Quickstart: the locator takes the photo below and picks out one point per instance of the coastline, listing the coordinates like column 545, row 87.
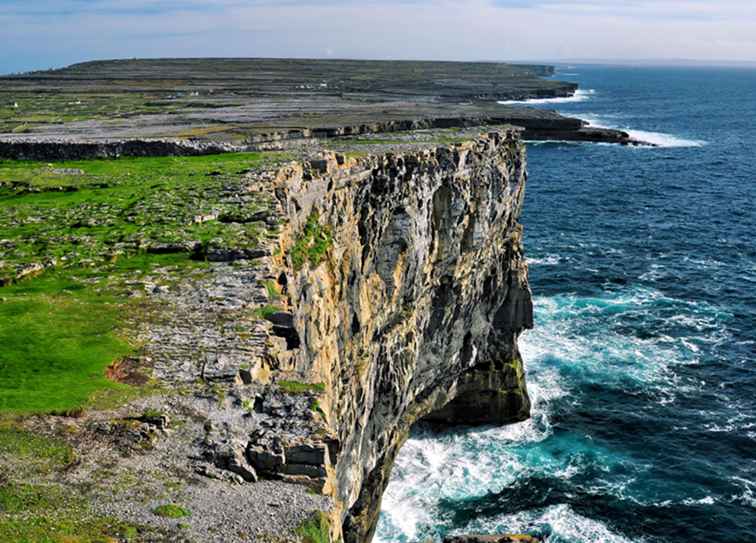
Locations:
column 327, row 413
column 252, row 104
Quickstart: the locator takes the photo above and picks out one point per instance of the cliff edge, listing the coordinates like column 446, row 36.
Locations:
column 416, row 310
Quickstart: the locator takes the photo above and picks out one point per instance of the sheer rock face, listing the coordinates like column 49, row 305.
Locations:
column 415, row 311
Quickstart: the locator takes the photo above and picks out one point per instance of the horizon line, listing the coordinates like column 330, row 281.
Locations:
column 671, row 62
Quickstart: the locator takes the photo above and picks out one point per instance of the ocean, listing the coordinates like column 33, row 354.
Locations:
column 641, row 366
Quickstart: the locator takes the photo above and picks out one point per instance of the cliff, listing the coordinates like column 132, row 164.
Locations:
column 416, row 310
column 333, row 302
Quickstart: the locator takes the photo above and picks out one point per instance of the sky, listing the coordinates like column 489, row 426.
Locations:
column 38, row 34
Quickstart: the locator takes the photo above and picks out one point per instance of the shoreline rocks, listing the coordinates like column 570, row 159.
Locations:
column 553, row 128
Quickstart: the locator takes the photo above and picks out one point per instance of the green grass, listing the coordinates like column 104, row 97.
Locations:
column 313, row 243
column 356, row 154
column 61, row 330
column 152, row 413
column 271, row 287
column 47, row 108
column 315, row 407
column 171, row 510
column 267, row 311
column 95, row 225
column 21, row 129
column 296, row 387
column 315, row 529
column 450, row 140
column 78, row 211
column 54, row 514
column 47, row 513
column 55, row 349
column 36, row 453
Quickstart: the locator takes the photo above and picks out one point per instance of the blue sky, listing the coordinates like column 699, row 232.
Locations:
column 44, row 33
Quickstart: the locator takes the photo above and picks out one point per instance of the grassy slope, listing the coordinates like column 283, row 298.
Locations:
column 60, row 331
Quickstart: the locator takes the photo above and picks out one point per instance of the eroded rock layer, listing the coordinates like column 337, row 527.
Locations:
column 416, row 310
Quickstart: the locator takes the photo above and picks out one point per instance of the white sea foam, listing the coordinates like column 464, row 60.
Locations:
column 595, row 121
column 548, row 260
column 432, row 467
column 571, row 342
column 708, row 500
column 739, row 423
column 579, row 96
column 657, row 139
column 748, row 497
column 560, row 142
column 660, row 139
column 572, row 331
column 564, row 525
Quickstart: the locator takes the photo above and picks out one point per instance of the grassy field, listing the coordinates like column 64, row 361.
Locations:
column 93, row 227
column 20, row 112
column 71, row 212
column 60, row 331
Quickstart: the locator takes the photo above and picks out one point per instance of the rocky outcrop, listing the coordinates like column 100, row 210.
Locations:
column 381, row 290
column 60, row 149
column 407, row 290
column 537, row 125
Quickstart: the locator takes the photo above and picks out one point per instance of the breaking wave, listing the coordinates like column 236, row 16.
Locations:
column 660, row 139
column 571, row 345
column 656, row 139
column 579, row 96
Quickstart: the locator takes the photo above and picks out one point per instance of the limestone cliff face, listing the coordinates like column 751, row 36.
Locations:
column 416, row 308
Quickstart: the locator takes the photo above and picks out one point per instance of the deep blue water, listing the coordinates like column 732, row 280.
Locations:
column 642, row 363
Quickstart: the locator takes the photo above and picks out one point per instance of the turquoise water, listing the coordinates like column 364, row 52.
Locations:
column 641, row 364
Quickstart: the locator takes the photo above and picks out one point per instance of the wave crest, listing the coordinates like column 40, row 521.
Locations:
column 579, row 96
column 657, row 139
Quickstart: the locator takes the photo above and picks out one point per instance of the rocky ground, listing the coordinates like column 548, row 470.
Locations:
column 265, row 102
column 199, row 315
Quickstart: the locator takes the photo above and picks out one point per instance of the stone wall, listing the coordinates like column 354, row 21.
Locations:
column 56, row 149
